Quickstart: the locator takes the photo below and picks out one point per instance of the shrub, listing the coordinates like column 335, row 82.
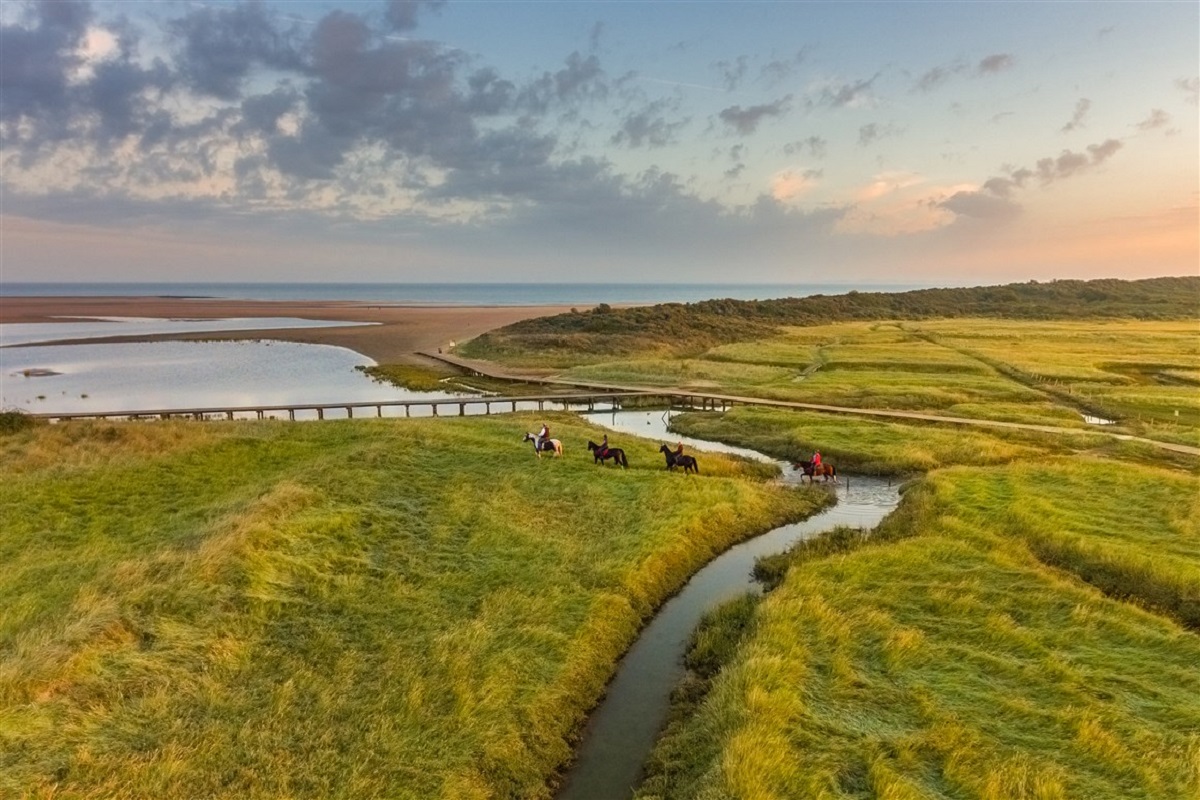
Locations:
column 15, row 421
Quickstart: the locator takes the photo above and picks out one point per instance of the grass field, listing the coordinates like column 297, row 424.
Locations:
column 358, row 608
column 975, row 648
column 1138, row 372
column 423, row 609
column 1014, row 371
column 872, row 446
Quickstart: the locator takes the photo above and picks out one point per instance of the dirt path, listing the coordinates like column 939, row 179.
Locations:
column 491, row 370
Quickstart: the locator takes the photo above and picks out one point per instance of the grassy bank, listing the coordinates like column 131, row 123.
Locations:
column 960, row 654
column 873, row 447
column 407, row 608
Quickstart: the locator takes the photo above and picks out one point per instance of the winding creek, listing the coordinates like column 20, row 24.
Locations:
column 622, row 730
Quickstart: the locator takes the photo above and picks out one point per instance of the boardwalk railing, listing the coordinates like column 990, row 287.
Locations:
column 591, row 401
column 457, row 406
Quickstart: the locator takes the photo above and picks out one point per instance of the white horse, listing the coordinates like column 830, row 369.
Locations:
column 548, row 445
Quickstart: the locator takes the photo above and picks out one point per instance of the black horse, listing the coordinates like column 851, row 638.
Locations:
column 676, row 460
column 825, row 470
column 600, row 454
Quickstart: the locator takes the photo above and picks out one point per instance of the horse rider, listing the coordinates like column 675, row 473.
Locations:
column 678, row 450
column 604, row 447
column 543, row 436
column 816, row 460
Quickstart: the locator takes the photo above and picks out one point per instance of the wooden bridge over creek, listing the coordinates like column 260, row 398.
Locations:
column 571, row 396
column 439, row 406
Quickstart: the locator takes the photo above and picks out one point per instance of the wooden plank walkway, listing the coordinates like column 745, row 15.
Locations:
column 579, row 394
column 711, row 400
column 568, row 400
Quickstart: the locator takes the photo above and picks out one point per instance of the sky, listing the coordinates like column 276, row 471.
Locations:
column 916, row 143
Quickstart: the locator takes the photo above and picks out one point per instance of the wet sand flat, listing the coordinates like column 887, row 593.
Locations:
column 401, row 330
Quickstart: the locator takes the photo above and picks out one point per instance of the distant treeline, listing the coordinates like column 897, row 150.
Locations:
column 679, row 327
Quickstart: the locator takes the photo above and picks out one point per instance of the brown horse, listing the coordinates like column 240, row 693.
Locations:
column 677, row 460
column 826, row 471
column 600, row 454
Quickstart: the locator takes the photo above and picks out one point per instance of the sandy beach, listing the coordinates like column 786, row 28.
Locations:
column 401, row 331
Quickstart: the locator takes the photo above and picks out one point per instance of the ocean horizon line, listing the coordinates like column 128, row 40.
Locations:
column 4, row 283
column 443, row 293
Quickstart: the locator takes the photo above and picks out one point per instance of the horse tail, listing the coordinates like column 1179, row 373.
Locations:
column 623, row 459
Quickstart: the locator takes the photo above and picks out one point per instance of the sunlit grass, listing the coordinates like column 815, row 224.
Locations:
column 897, row 388
column 1036, row 372
column 946, row 658
column 1074, row 350
column 1132, row 531
column 412, row 377
column 687, row 373
column 867, row 445
column 403, row 608
column 1135, row 370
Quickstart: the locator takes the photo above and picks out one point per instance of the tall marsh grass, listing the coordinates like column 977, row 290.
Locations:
column 951, row 661
column 865, row 445
column 1133, row 531
column 400, row 608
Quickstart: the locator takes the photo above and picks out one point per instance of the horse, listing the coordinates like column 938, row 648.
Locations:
column 548, row 446
column 601, row 454
column 674, row 460
column 827, row 471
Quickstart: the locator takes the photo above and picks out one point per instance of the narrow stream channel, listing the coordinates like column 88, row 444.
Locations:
column 622, row 730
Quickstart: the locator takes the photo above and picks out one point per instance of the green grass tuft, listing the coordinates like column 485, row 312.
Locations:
column 406, row 608
column 945, row 657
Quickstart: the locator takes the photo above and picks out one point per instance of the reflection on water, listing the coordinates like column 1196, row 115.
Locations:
column 168, row 375
column 653, row 425
column 13, row 334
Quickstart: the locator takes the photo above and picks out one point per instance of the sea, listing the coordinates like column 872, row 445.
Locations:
column 452, row 294
column 40, row 373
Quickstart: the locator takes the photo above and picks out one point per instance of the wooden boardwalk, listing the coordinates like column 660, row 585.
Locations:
column 456, row 406
column 580, row 396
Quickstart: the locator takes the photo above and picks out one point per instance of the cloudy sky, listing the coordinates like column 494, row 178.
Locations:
column 933, row 143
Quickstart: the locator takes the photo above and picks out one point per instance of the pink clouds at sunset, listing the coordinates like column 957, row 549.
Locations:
column 649, row 141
